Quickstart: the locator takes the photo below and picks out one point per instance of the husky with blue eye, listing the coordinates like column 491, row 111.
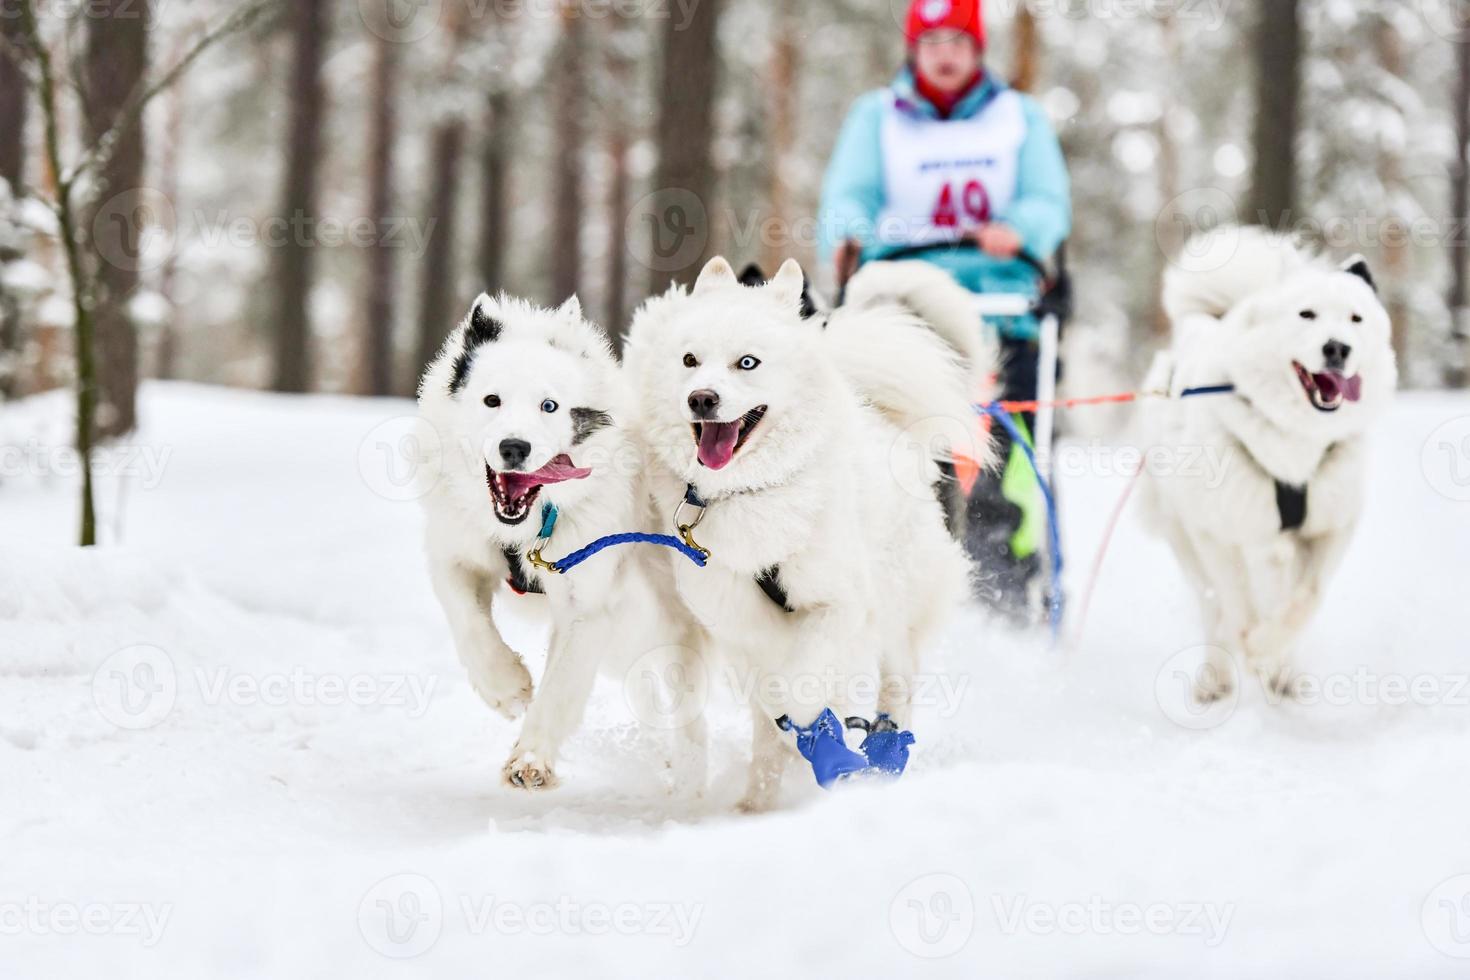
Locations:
column 1305, row 345
column 535, row 462
column 803, row 450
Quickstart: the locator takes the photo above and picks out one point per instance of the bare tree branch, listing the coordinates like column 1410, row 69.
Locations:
column 101, row 151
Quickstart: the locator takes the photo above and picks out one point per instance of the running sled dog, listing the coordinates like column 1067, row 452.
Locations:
column 530, row 412
column 805, row 450
column 1306, row 345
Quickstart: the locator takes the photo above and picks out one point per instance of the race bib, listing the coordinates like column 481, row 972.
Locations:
column 944, row 177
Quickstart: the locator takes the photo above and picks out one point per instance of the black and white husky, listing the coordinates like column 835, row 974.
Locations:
column 1306, row 345
column 530, row 411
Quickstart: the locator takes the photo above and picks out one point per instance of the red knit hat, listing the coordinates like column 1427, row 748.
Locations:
column 955, row 15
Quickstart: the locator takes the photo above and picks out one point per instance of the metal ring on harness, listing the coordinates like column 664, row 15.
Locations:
column 686, row 531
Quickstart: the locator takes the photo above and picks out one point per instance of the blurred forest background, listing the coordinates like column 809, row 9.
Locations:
column 312, row 205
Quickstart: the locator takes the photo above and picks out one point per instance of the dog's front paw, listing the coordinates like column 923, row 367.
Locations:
column 1213, row 683
column 526, row 771
column 1281, row 684
column 754, row 805
column 507, row 688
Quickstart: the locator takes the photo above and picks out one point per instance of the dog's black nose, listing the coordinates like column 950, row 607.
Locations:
column 1336, row 354
column 704, row 403
column 514, row 452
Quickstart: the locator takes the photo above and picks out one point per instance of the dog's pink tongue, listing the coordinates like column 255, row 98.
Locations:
column 559, row 470
column 717, row 443
column 1352, row 388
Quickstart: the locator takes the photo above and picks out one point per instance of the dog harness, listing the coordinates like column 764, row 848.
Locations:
column 1291, row 504
column 522, row 584
column 768, row 581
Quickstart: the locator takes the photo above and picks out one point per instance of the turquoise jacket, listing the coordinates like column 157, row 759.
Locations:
column 853, row 191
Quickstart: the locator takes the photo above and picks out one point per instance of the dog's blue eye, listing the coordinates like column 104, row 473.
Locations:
column 748, row 363
column 492, row 401
column 549, row 406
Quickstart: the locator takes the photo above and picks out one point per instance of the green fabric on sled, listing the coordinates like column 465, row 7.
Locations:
column 1020, row 486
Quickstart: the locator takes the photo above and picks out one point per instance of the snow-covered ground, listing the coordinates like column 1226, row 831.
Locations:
column 235, row 742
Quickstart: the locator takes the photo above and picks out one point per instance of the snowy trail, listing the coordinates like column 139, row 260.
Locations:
column 311, row 787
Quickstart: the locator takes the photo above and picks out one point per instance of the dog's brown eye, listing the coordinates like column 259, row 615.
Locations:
column 492, row 401
column 691, row 361
column 1357, row 319
column 1309, row 315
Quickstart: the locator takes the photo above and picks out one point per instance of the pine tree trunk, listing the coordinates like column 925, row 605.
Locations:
column 13, row 111
column 785, row 60
column 1171, row 234
column 686, row 130
column 310, row 20
column 1392, row 281
column 619, row 139
column 494, row 176
column 379, row 306
column 438, row 303
column 14, row 106
column 165, row 365
column 1278, row 108
column 1459, row 249
column 567, row 178
column 117, row 63
column 1027, row 71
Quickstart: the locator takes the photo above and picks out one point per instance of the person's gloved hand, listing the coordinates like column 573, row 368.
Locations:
column 998, row 240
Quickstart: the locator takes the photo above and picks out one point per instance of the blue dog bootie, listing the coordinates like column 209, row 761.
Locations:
column 886, row 748
column 822, row 745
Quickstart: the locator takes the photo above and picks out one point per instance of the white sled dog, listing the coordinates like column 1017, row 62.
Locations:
column 1307, row 346
column 805, row 450
column 530, row 410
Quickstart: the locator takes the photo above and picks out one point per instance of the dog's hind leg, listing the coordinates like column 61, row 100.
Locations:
column 667, row 690
column 1294, row 584
column 1225, row 605
column 911, row 622
column 769, row 755
column 495, row 670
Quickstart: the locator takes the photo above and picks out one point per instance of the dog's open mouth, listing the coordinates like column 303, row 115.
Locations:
column 1329, row 389
column 718, row 442
column 514, row 493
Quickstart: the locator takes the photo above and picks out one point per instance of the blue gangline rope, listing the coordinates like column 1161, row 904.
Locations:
column 1054, row 601
column 1208, row 390
column 613, row 540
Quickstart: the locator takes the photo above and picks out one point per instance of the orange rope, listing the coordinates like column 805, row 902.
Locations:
column 1032, row 406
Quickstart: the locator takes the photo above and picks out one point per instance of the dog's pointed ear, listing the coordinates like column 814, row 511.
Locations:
column 1358, row 266
column 572, row 308
column 483, row 325
column 717, row 272
column 789, row 283
column 753, row 275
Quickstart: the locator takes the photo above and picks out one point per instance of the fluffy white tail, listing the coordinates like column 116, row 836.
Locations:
column 910, row 374
column 1218, row 269
column 933, row 295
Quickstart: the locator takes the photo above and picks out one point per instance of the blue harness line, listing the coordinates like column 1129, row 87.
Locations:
column 549, row 515
column 1055, row 601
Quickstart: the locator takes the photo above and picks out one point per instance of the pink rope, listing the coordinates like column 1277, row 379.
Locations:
column 1102, row 553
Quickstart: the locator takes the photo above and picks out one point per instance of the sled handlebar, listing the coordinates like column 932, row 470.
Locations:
column 919, row 251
